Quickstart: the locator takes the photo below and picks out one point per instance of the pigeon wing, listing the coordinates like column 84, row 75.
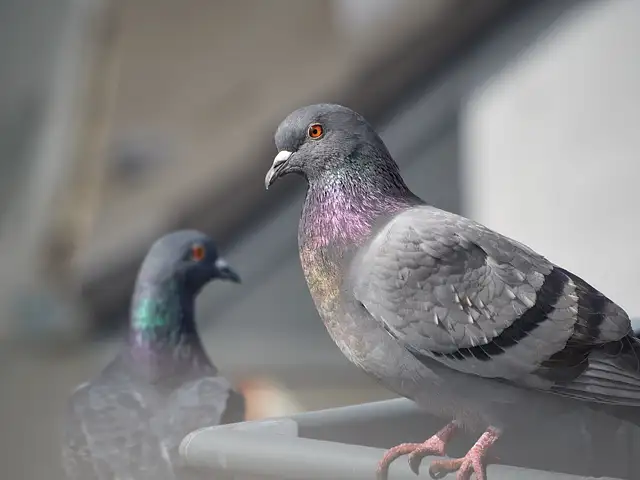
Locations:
column 113, row 436
column 454, row 291
column 76, row 455
column 196, row 404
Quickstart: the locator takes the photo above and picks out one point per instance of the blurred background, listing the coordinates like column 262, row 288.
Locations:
column 122, row 120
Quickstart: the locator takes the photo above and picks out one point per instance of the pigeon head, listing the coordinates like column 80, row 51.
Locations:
column 323, row 139
column 174, row 271
column 187, row 258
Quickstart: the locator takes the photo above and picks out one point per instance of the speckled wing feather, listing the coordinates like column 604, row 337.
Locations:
column 456, row 292
column 196, row 404
column 120, row 429
column 77, row 459
column 108, row 436
column 201, row 403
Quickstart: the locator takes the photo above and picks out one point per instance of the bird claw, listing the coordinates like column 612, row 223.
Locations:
column 416, row 451
column 473, row 462
column 464, row 466
column 433, row 446
column 439, row 468
column 393, row 453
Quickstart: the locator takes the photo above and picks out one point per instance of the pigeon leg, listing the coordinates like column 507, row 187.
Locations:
column 473, row 462
column 433, row 446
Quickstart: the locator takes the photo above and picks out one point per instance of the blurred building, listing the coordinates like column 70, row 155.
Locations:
column 122, row 120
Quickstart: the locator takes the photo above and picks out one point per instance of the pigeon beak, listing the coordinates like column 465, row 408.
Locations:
column 225, row 272
column 276, row 168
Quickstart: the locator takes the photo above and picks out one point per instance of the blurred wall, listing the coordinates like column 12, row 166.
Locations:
column 28, row 52
column 24, row 84
column 551, row 146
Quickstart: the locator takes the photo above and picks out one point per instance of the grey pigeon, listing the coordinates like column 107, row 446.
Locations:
column 128, row 422
column 439, row 308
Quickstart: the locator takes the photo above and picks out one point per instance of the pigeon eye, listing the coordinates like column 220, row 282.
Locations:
column 197, row 252
column 315, row 131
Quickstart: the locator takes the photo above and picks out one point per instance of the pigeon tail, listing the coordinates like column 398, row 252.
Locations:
column 612, row 377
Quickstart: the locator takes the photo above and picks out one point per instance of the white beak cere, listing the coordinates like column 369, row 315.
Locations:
column 281, row 158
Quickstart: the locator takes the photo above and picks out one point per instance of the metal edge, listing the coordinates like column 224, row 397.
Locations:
column 263, row 455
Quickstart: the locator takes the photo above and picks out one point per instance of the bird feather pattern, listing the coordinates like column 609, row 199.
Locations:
column 428, row 276
column 125, row 429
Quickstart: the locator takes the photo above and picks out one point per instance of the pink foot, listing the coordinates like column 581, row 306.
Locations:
column 416, row 451
column 473, row 462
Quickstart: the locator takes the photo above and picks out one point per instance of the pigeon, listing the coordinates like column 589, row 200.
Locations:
column 471, row 325
column 128, row 422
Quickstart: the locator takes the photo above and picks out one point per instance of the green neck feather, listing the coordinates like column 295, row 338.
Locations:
column 161, row 312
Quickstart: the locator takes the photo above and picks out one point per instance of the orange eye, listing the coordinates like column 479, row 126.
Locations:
column 197, row 252
column 315, row 131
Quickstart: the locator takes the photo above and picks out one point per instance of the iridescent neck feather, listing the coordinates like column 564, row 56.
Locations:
column 163, row 340
column 161, row 314
column 342, row 206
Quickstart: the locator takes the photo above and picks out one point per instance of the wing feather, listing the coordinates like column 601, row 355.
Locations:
column 111, row 435
column 453, row 291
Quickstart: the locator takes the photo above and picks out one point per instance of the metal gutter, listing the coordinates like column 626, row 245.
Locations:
column 300, row 446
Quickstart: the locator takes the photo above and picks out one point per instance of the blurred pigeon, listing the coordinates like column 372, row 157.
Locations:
column 468, row 323
column 128, row 423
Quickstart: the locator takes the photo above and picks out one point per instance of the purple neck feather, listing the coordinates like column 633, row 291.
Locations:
column 341, row 207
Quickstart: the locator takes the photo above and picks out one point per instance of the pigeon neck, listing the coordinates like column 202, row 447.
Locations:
column 163, row 340
column 342, row 207
column 161, row 315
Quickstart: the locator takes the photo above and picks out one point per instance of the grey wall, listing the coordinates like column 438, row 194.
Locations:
column 551, row 146
column 28, row 44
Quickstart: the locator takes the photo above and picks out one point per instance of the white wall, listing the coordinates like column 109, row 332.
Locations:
column 552, row 147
